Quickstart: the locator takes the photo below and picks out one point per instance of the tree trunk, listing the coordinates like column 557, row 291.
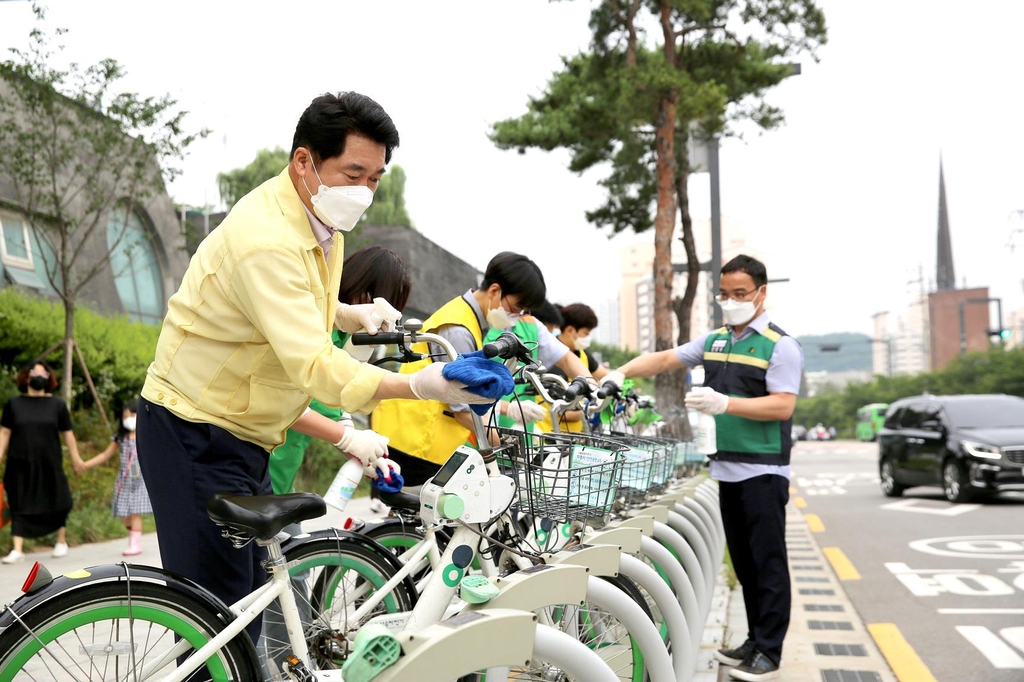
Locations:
column 666, row 385
column 69, row 351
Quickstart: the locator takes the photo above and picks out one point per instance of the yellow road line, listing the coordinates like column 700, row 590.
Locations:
column 792, row 490
column 843, row 567
column 903, row 660
column 799, row 503
column 814, row 523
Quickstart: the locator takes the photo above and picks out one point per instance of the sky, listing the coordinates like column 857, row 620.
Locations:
column 842, row 201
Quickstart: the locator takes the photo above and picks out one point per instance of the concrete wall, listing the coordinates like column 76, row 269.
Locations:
column 157, row 212
column 436, row 275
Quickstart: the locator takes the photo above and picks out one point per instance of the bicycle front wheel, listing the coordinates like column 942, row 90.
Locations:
column 98, row 634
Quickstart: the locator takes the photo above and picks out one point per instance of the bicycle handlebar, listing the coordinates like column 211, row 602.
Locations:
column 378, row 339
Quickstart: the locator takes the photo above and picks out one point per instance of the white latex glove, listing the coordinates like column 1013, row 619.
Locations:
column 386, row 466
column 616, row 377
column 356, row 318
column 707, row 400
column 366, row 446
column 428, row 384
column 522, row 411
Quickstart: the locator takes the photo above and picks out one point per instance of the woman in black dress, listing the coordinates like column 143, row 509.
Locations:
column 30, row 431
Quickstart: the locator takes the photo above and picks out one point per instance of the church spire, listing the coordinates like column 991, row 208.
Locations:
column 945, row 278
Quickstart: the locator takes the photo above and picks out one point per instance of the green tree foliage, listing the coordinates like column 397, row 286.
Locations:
column 116, row 350
column 235, row 184
column 388, row 207
column 81, row 156
column 997, row 371
column 654, row 68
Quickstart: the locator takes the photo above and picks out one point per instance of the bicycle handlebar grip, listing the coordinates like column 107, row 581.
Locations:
column 607, row 389
column 576, row 387
column 505, row 346
column 380, row 338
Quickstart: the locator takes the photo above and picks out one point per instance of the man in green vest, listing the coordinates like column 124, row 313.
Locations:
column 752, row 375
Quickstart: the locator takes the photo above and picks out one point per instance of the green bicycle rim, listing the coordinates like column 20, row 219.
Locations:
column 144, row 613
column 364, row 571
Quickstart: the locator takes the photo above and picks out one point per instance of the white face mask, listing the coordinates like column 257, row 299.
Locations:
column 339, row 208
column 738, row 312
column 582, row 342
column 498, row 318
column 129, row 423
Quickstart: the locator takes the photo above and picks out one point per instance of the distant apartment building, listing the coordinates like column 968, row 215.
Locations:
column 607, row 331
column 901, row 345
column 636, row 298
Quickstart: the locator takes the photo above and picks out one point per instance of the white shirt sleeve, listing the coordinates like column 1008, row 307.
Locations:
column 549, row 349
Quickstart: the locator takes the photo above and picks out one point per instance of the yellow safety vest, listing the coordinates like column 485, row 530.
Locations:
column 426, row 429
column 545, row 426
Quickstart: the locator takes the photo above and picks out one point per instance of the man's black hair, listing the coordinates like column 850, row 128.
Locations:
column 548, row 314
column 749, row 265
column 327, row 121
column 579, row 316
column 517, row 276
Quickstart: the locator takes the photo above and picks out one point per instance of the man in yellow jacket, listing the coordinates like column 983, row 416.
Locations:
column 247, row 342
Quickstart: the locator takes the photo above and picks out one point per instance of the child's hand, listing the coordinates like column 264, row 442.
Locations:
column 79, row 466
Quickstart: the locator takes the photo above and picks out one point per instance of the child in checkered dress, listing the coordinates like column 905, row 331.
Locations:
column 131, row 500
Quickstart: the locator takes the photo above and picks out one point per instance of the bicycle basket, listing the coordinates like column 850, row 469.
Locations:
column 645, row 469
column 562, row 476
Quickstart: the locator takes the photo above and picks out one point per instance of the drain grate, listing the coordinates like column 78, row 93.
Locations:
column 850, row 676
column 806, row 568
column 829, row 625
column 815, row 591
column 840, row 650
column 824, row 607
column 810, row 579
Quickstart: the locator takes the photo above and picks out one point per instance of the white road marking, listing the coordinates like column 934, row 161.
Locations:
column 1004, row 547
column 914, row 506
column 998, row 652
column 981, row 612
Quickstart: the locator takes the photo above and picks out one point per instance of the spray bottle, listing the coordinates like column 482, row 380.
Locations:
column 707, row 433
column 344, row 484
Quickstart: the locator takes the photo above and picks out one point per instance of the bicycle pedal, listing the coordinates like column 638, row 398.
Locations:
column 296, row 670
column 476, row 589
column 374, row 649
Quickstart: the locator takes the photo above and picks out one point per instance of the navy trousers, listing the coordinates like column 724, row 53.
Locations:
column 754, row 515
column 184, row 464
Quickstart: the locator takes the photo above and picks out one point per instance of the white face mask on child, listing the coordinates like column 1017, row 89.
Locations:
column 129, row 423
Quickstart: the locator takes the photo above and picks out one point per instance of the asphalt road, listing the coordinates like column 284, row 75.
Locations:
column 949, row 577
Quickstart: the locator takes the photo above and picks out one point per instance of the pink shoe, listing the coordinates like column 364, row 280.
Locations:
column 134, row 543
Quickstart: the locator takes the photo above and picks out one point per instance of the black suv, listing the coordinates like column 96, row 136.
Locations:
column 966, row 443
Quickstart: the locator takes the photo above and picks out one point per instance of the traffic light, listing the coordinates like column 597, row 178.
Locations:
column 999, row 335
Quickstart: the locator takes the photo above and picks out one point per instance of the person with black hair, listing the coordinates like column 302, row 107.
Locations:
column 246, row 343
column 549, row 316
column 31, row 428
column 131, row 500
column 578, row 321
column 422, row 436
column 752, row 375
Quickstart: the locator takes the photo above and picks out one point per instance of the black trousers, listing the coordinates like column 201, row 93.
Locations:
column 184, row 463
column 754, row 515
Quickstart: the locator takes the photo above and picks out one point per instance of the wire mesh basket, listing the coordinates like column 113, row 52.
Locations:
column 646, row 468
column 562, row 476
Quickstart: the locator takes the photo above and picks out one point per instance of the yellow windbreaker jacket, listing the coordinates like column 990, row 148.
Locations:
column 247, row 338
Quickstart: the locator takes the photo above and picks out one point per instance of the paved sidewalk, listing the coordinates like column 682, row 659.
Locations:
column 827, row 640
column 12, row 576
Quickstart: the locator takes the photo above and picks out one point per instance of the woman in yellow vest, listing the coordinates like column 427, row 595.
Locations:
column 578, row 321
column 423, row 434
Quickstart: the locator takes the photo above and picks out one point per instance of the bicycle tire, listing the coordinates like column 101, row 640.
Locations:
column 90, row 622
column 350, row 567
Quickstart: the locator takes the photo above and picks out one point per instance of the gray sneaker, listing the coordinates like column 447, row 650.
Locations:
column 735, row 656
column 755, row 667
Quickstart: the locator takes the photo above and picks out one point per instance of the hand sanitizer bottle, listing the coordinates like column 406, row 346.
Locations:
column 707, row 434
column 344, row 484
